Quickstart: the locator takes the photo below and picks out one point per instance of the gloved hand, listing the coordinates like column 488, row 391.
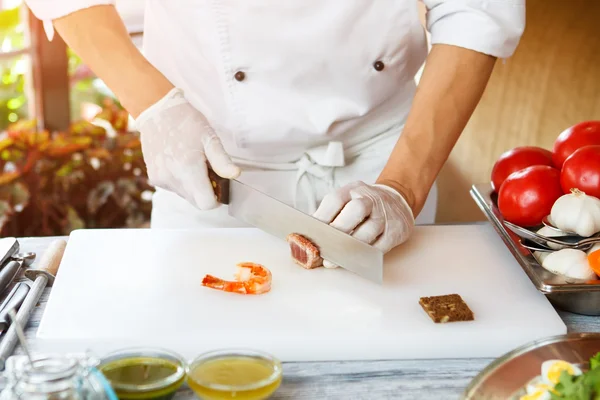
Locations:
column 375, row 214
column 177, row 140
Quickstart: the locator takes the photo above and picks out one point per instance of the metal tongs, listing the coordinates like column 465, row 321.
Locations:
column 564, row 240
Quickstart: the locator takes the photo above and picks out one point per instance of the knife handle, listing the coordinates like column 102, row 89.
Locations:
column 220, row 186
column 12, row 302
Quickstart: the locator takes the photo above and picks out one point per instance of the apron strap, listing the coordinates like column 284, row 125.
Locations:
column 317, row 163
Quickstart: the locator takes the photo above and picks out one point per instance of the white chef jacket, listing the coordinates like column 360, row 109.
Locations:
column 280, row 78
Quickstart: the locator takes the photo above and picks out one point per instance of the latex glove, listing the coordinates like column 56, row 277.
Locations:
column 375, row 214
column 177, row 140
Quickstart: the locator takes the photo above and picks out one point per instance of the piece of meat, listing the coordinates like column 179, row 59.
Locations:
column 304, row 252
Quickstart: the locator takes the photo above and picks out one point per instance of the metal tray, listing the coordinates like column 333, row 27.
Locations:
column 580, row 297
column 508, row 375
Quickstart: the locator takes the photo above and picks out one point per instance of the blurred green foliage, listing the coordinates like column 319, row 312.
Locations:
column 53, row 182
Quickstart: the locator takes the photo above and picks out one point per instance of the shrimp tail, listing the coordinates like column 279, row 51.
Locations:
column 213, row 282
column 220, row 284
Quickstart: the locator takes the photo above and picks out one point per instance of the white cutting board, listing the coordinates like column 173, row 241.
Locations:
column 118, row 288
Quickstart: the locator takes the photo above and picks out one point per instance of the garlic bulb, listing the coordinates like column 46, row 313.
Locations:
column 570, row 263
column 549, row 232
column 577, row 212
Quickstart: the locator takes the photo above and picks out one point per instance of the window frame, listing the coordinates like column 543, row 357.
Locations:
column 50, row 78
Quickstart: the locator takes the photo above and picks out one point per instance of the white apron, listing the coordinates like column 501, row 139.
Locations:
column 306, row 95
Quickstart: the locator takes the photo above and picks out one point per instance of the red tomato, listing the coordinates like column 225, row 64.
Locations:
column 579, row 135
column 515, row 160
column 528, row 195
column 581, row 170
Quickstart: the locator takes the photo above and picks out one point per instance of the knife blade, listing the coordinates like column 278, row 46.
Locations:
column 278, row 219
column 12, row 302
column 9, row 246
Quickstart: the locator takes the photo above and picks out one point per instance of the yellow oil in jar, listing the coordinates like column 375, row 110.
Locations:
column 235, row 377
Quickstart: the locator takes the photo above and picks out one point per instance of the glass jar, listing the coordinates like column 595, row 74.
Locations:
column 55, row 378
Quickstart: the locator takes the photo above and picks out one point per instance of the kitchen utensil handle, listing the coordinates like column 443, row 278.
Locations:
column 52, row 256
column 17, row 297
column 591, row 240
column 220, row 186
column 8, row 273
column 8, row 297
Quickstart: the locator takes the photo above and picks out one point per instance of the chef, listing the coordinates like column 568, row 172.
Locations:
column 312, row 101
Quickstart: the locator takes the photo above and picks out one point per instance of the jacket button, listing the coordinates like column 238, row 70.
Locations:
column 378, row 66
column 239, row 76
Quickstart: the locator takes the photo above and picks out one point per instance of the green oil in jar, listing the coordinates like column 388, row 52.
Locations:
column 144, row 378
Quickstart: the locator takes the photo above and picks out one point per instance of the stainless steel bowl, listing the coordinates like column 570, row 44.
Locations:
column 509, row 374
column 577, row 297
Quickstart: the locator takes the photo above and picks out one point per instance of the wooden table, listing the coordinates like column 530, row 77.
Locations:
column 372, row 380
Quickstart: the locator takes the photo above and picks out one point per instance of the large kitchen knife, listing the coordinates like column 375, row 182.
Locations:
column 278, row 219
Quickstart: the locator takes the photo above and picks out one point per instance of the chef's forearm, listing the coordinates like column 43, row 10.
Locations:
column 98, row 35
column 450, row 88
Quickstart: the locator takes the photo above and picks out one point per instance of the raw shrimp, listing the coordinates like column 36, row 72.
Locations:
column 250, row 278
